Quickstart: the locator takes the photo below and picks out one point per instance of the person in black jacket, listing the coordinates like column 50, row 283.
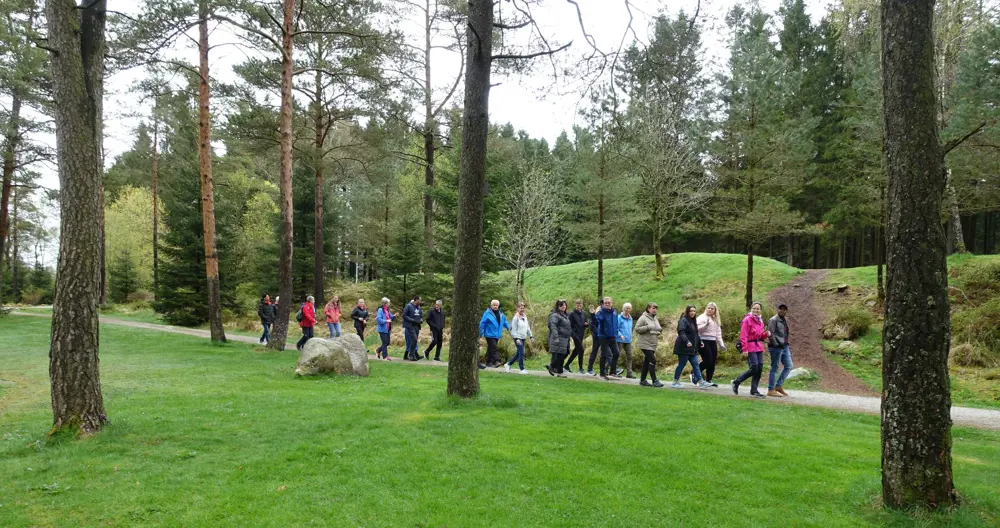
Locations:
column 266, row 312
column 579, row 323
column 413, row 318
column 596, row 342
column 686, row 347
column 435, row 320
column 360, row 317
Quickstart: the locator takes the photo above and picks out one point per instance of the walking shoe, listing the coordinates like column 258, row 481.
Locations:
column 629, row 376
column 757, row 395
column 548, row 367
column 691, row 376
column 581, row 371
column 704, row 385
column 427, row 355
column 657, row 384
column 560, row 375
column 605, row 377
column 735, row 386
column 524, row 371
column 645, row 383
column 781, row 390
column 437, row 359
column 715, row 384
column 619, row 373
column 482, row 366
column 676, row 385
column 773, row 393
column 507, row 367
column 590, row 373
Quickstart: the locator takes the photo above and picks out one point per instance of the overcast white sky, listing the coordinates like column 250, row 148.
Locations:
column 523, row 101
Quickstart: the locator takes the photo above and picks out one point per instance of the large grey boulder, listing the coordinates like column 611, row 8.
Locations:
column 345, row 355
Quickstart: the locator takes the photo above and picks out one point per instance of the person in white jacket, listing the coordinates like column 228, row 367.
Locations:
column 520, row 330
column 710, row 333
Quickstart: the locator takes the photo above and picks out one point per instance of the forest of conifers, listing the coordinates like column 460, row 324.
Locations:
column 777, row 151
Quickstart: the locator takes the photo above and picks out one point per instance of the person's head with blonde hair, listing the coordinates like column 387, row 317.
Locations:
column 712, row 312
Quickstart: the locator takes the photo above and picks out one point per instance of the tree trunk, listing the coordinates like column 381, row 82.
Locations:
column 815, row 252
column 600, row 229
column 15, row 282
column 77, row 35
column 790, row 250
column 956, row 241
column 463, row 372
column 880, row 248
column 749, row 288
column 916, row 394
column 11, row 140
column 318, row 236
column 429, row 128
column 103, row 300
column 207, row 184
column 156, row 202
column 279, row 334
column 657, row 246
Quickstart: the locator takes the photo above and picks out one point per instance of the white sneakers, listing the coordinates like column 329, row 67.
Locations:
column 524, row 371
column 506, row 367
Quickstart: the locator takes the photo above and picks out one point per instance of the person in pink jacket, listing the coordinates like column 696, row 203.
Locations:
column 753, row 336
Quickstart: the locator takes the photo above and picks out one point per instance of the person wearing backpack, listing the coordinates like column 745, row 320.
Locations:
column 266, row 314
column 413, row 318
column 687, row 347
column 307, row 320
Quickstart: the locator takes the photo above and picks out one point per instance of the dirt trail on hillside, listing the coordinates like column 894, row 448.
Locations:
column 805, row 322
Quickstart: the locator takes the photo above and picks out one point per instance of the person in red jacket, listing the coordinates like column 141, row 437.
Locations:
column 753, row 335
column 308, row 322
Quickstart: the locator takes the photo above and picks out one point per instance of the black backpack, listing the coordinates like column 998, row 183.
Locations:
column 300, row 316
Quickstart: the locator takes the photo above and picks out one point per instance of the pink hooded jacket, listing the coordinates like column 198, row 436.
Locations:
column 752, row 334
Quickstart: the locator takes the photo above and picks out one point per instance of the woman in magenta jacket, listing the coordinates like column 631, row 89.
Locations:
column 753, row 336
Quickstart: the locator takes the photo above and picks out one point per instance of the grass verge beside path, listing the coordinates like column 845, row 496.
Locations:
column 688, row 276
column 205, row 435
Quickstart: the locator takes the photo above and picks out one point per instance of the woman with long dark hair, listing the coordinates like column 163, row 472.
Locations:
column 752, row 338
column 686, row 347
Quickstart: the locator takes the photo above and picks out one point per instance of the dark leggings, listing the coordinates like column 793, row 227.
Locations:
column 709, row 356
column 307, row 334
column 755, row 360
column 593, row 353
column 649, row 364
column 577, row 353
column 360, row 329
column 492, row 353
column 384, row 337
column 557, row 363
column 437, row 338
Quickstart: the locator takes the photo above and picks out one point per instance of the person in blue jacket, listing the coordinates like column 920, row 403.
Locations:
column 383, row 318
column 413, row 318
column 625, row 337
column 491, row 327
column 607, row 333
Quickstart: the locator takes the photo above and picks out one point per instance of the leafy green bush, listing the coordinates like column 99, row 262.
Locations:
column 980, row 279
column 849, row 323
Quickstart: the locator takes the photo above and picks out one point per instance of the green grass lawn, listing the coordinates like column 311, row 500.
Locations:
column 699, row 276
column 206, row 435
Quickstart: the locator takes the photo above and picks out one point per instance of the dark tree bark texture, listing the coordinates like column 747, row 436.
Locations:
column 280, row 332
column 319, row 130
column 916, row 400
column 463, row 371
column 207, row 184
column 77, row 37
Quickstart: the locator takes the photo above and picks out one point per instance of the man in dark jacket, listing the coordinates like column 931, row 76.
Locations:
column 266, row 312
column 413, row 318
column 435, row 320
column 596, row 343
column 607, row 333
column 578, row 323
column 777, row 348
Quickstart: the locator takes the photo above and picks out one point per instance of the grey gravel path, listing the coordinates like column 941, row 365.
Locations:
column 964, row 416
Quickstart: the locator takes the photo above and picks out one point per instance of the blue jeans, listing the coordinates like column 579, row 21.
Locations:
column 410, row 334
column 519, row 355
column 682, row 361
column 266, row 336
column 333, row 328
column 784, row 357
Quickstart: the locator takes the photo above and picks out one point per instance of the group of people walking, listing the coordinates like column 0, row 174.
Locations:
column 613, row 333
